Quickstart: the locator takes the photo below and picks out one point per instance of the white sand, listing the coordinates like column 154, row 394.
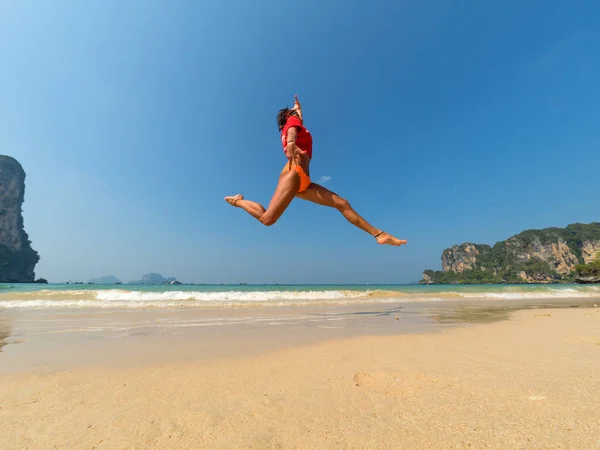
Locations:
column 531, row 382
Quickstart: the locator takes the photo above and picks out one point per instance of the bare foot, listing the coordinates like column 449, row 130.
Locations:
column 387, row 239
column 232, row 199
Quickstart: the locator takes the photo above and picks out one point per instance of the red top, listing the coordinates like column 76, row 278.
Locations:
column 303, row 138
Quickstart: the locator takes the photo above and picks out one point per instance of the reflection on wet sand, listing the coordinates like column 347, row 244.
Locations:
column 5, row 331
column 64, row 337
column 481, row 314
column 473, row 314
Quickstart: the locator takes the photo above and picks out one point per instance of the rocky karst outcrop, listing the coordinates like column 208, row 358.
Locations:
column 533, row 256
column 459, row 258
column 590, row 251
column 17, row 258
column 557, row 254
column 534, row 278
column 428, row 277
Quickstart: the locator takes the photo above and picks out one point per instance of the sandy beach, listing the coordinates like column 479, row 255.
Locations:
column 527, row 382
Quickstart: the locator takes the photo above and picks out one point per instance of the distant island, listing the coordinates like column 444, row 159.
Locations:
column 155, row 278
column 549, row 255
column 108, row 279
column 149, row 278
column 17, row 258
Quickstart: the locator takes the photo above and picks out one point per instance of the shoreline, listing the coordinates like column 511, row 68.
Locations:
column 517, row 383
column 47, row 340
column 58, row 339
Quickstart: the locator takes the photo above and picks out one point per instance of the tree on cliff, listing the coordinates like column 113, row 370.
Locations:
column 588, row 273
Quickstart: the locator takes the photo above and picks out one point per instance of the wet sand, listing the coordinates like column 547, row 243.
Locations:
column 466, row 376
column 45, row 340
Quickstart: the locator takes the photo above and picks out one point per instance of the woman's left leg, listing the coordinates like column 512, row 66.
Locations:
column 323, row 196
column 287, row 188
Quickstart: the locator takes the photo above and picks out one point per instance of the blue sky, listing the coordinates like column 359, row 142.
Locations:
column 441, row 122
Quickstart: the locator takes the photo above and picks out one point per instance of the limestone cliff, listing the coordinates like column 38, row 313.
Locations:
column 17, row 258
column 428, row 277
column 533, row 256
column 557, row 254
column 460, row 257
column 590, row 251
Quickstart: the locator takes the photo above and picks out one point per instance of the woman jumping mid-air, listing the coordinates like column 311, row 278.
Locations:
column 294, row 181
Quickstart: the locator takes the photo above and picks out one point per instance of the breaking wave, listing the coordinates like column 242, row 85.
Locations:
column 121, row 298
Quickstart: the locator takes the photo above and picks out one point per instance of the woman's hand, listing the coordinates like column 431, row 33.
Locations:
column 297, row 106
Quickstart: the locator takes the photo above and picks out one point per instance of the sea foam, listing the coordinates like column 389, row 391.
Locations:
column 122, row 298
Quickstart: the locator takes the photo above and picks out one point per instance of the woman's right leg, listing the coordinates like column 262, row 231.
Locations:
column 287, row 188
column 323, row 196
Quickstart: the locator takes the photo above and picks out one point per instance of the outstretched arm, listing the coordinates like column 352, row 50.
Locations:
column 298, row 108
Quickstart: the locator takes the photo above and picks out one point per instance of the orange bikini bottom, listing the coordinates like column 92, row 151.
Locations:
column 304, row 179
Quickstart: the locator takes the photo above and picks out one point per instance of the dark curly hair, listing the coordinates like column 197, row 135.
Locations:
column 282, row 116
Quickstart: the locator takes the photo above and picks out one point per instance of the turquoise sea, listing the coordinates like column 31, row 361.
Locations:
column 51, row 326
column 234, row 295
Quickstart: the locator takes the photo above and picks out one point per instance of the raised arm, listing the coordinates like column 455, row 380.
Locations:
column 298, row 108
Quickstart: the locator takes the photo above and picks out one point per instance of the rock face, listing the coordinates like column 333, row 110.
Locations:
column 460, row 257
column 588, row 280
column 527, row 278
column 590, row 251
column 17, row 258
column 548, row 255
column 557, row 254
column 427, row 277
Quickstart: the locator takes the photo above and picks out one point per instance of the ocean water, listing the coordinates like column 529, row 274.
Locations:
column 58, row 326
column 236, row 296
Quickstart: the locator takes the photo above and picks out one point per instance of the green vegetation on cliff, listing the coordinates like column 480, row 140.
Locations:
column 591, row 269
column 588, row 273
column 535, row 268
column 550, row 255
